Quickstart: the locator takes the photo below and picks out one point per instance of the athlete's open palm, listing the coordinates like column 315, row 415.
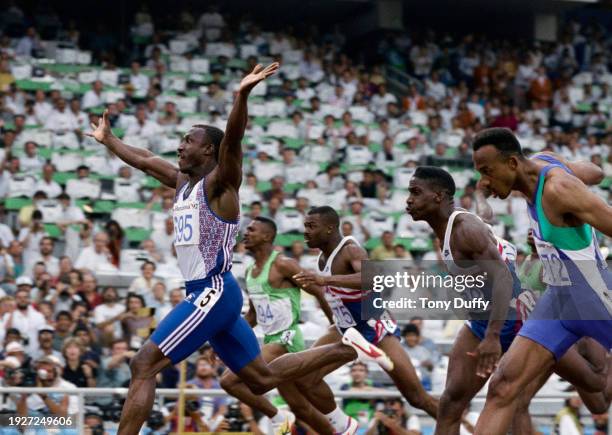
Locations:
column 258, row 74
column 102, row 131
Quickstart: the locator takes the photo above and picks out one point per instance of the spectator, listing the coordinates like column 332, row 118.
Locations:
column 164, row 237
column 114, row 370
column 211, row 408
column 23, row 317
column 426, row 342
column 567, row 421
column 361, row 410
column 15, row 250
column 45, row 255
column 108, row 314
column 89, row 291
column 157, row 300
column 420, row 357
column 96, row 257
column 48, row 374
column 138, row 321
column 146, row 128
column 31, row 163
column 138, row 79
column 46, row 184
column 93, row 97
column 45, row 344
column 386, row 250
column 60, row 120
column 64, row 326
column 76, row 370
column 144, row 284
column 394, row 419
column 213, row 100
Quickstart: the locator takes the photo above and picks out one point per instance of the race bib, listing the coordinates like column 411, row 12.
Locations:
column 272, row 315
column 207, row 299
column 342, row 316
column 555, row 271
column 186, row 223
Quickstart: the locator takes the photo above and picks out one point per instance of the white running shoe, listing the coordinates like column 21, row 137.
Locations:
column 283, row 427
column 366, row 351
column 351, row 429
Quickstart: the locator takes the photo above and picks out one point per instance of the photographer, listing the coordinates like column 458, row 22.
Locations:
column 48, row 374
column 392, row 419
column 194, row 421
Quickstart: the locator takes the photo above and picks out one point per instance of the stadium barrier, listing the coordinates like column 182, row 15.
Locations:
column 82, row 393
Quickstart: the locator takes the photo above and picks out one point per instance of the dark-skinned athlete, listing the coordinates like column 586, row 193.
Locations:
column 577, row 302
column 274, row 305
column 206, row 220
column 339, row 273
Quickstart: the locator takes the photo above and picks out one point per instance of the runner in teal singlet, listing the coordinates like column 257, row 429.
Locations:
column 577, row 303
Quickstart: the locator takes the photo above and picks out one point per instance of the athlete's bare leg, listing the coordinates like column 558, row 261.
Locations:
column 312, row 387
column 405, row 378
column 231, row 383
column 524, row 362
column 462, row 383
column 262, row 377
column 145, row 365
column 298, row 405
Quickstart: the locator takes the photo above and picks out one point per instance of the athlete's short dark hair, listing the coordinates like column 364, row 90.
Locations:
column 214, row 135
column 436, row 177
column 501, row 138
column 267, row 222
column 329, row 215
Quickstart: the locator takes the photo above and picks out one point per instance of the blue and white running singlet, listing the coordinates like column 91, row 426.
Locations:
column 577, row 301
column 211, row 310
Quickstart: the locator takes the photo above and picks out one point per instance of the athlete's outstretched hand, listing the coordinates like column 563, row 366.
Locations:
column 258, row 74
column 308, row 278
column 488, row 352
column 102, row 131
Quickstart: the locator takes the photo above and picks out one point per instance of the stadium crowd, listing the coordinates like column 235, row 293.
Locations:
column 328, row 131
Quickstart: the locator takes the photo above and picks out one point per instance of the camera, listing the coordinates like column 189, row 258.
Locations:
column 156, row 420
column 192, row 406
column 234, row 418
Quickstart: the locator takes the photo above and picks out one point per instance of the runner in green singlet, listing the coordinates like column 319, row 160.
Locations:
column 275, row 306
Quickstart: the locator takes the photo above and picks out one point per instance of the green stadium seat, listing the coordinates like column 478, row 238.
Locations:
column 137, row 234
column 15, row 204
column 53, row 231
column 286, row 240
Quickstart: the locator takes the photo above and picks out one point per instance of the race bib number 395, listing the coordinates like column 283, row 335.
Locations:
column 187, row 223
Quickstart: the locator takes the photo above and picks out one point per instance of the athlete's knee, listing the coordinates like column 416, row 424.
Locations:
column 228, row 381
column 501, row 389
column 146, row 362
column 454, row 399
column 418, row 398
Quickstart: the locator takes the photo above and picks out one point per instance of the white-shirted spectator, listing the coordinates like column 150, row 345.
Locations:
column 96, row 257
column 93, row 97
column 107, row 315
column 143, row 127
column 60, row 119
column 42, row 108
column 31, row 236
column 81, row 118
column 138, row 79
column 379, row 101
column 44, row 255
column 144, row 283
column 31, row 162
column 46, row 183
column 164, row 238
column 24, row 317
